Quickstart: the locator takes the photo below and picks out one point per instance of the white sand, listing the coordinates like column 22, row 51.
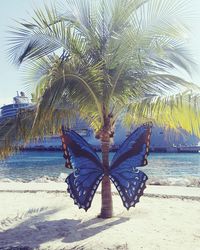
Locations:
column 36, row 219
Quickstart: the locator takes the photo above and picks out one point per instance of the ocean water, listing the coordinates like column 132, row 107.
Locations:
column 163, row 168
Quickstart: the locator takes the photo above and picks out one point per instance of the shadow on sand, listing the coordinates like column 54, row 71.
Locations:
column 36, row 230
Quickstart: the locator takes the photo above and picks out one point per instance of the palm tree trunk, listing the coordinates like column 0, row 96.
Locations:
column 106, row 198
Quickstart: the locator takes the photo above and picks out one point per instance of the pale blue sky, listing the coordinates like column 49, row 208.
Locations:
column 10, row 78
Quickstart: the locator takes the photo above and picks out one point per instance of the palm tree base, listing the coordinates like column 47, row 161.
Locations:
column 105, row 215
column 106, row 199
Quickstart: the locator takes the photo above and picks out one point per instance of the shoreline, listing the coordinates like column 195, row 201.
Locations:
column 151, row 191
column 159, row 181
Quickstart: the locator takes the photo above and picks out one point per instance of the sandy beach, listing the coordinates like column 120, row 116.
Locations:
column 42, row 216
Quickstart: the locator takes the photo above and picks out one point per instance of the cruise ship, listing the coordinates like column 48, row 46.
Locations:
column 10, row 110
column 161, row 140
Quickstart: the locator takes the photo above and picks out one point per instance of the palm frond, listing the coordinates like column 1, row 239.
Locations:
column 105, row 58
column 180, row 111
column 46, row 34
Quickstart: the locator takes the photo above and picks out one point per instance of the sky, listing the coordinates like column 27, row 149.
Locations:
column 11, row 80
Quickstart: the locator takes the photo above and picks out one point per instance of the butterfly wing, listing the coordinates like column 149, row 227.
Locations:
column 73, row 141
column 135, row 149
column 129, row 181
column 88, row 172
column 82, row 187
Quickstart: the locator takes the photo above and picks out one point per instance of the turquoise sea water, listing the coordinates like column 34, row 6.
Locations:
column 163, row 168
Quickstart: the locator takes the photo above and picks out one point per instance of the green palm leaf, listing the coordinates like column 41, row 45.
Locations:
column 102, row 61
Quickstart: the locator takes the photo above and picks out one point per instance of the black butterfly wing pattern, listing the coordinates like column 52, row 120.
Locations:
column 88, row 172
column 82, row 187
column 135, row 149
column 129, row 181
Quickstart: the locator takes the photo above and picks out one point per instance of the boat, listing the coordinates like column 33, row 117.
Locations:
column 161, row 140
column 19, row 101
column 189, row 149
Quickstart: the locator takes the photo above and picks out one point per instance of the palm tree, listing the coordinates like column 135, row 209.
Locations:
column 103, row 60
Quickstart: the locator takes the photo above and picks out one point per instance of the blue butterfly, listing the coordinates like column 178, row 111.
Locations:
column 88, row 170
